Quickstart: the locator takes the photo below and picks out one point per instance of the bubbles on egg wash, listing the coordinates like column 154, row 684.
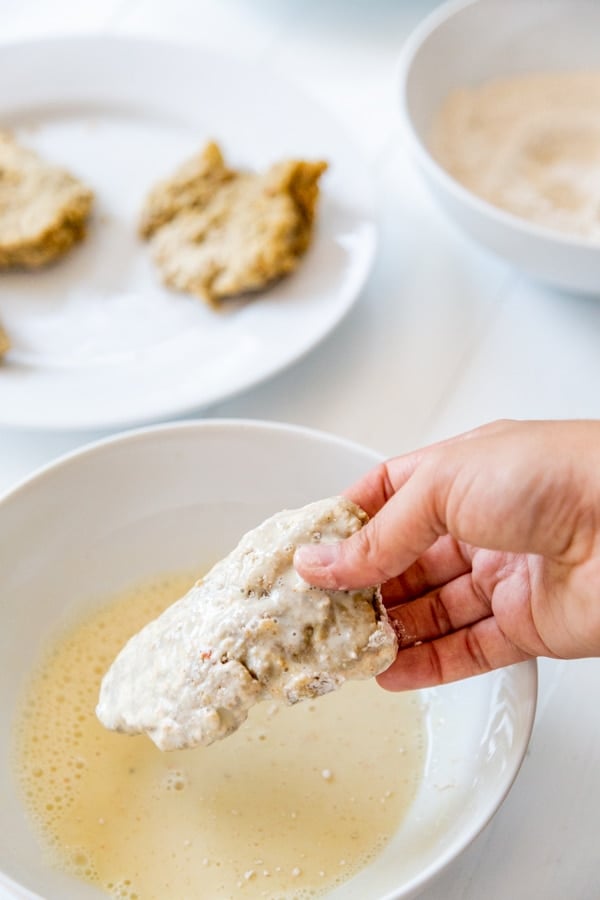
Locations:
column 279, row 799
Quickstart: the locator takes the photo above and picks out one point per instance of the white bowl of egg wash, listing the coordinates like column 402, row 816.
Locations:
column 358, row 794
column 501, row 102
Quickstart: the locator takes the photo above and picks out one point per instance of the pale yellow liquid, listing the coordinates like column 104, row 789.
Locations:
column 295, row 802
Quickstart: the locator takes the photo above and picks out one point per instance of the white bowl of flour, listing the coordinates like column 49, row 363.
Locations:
column 501, row 103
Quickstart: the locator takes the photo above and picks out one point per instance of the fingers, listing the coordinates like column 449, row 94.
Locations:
column 452, row 607
column 404, row 496
column 404, row 528
column 496, row 488
column 375, row 488
column 471, row 651
column 443, row 562
column 378, row 485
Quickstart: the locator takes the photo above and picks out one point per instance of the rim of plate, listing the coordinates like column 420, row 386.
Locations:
column 476, row 826
column 349, row 292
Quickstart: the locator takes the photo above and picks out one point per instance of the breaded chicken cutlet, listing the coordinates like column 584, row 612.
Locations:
column 4, row 342
column 43, row 209
column 251, row 630
column 217, row 232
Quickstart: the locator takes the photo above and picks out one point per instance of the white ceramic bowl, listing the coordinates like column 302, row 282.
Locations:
column 156, row 500
column 469, row 42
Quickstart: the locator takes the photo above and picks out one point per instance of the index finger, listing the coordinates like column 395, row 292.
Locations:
column 469, row 651
column 379, row 484
column 374, row 489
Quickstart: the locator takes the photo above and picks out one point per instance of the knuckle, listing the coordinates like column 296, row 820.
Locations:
column 497, row 426
column 476, row 652
column 440, row 618
column 436, row 669
column 366, row 549
column 386, row 480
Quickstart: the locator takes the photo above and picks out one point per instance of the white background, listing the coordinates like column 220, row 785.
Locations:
column 443, row 338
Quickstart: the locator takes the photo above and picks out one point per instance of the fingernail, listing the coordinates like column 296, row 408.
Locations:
column 310, row 557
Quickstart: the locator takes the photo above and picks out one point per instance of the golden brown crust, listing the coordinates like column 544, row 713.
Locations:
column 191, row 187
column 236, row 231
column 43, row 209
column 4, row 342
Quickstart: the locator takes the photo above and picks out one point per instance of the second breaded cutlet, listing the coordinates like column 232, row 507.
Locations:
column 217, row 232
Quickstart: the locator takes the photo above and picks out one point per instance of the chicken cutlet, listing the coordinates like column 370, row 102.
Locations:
column 4, row 342
column 43, row 208
column 216, row 232
column 251, row 630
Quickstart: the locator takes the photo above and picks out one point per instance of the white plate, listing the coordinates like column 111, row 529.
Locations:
column 97, row 341
column 171, row 498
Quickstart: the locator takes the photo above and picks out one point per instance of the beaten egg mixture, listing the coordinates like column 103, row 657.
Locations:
column 294, row 803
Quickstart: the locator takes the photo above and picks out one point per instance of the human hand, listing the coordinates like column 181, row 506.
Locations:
column 487, row 547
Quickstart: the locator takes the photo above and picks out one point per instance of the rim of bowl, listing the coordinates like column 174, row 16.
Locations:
column 476, row 826
column 469, row 835
column 409, row 52
column 205, row 424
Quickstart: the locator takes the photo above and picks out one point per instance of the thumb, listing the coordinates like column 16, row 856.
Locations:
column 386, row 546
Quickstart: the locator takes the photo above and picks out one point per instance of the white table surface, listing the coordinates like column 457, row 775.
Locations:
column 444, row 337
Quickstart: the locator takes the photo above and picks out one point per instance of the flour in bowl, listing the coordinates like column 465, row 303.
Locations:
column 529, row 144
